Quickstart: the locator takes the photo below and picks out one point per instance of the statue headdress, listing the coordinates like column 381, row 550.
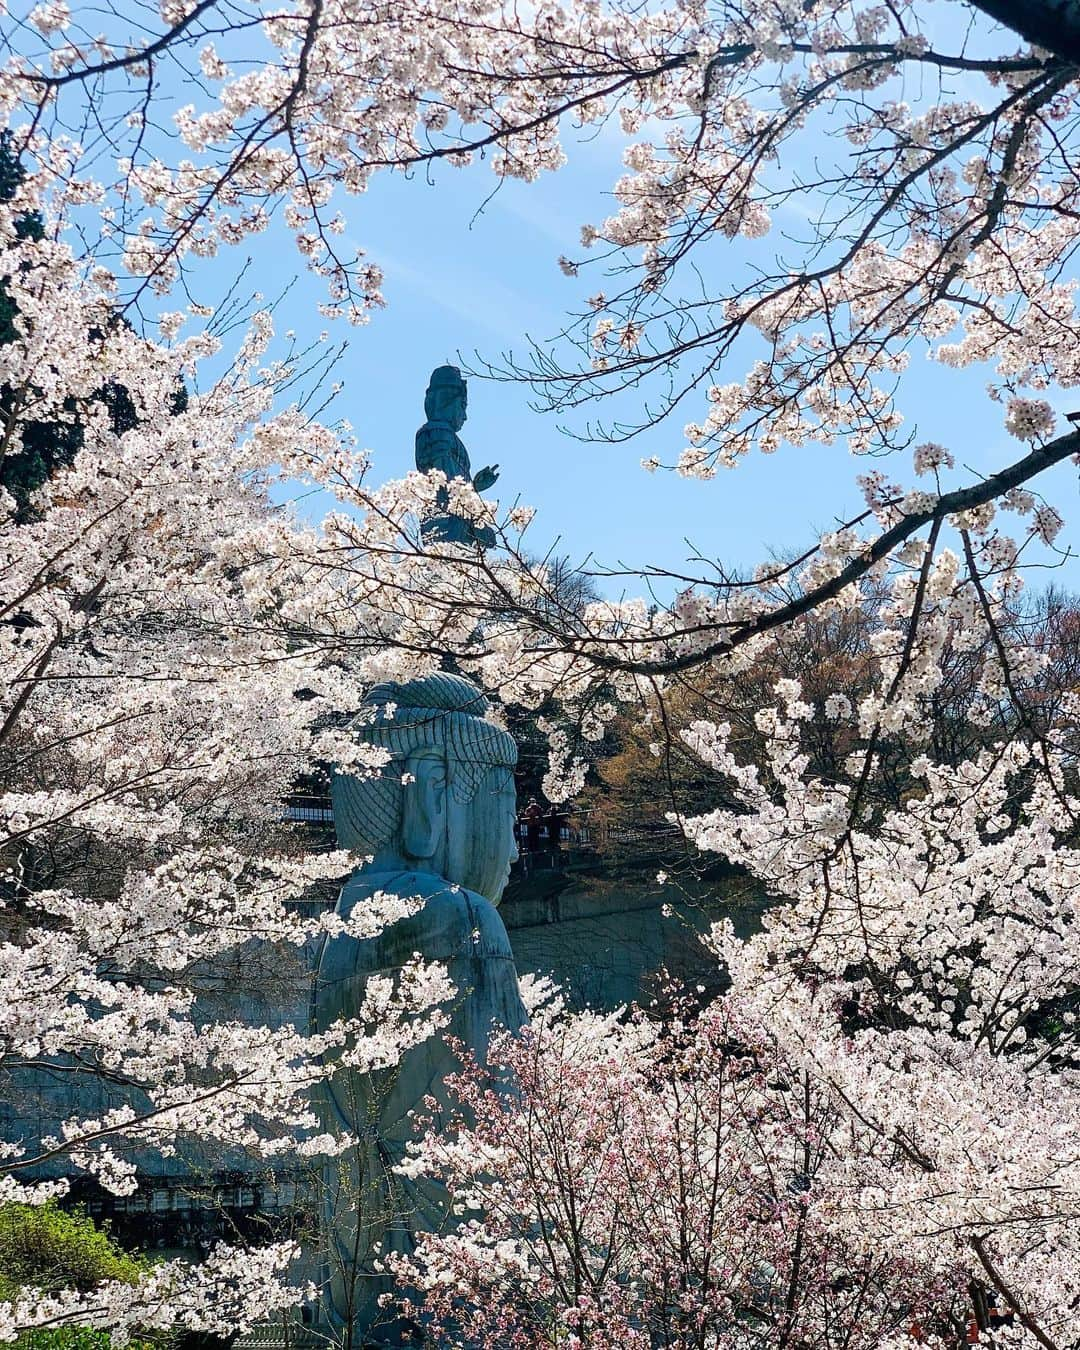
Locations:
column 443, row 376
column 433, row 712
column 444, row 379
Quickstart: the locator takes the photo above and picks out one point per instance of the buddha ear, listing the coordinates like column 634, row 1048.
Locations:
column 423, row 820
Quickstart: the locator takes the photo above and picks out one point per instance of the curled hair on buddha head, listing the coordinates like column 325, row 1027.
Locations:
column 438, row 713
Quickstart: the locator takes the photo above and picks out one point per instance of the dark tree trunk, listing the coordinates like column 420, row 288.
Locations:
column 1053, row 24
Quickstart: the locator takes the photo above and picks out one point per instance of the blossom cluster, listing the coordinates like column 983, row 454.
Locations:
column 645, row 1185
column 885, row 1106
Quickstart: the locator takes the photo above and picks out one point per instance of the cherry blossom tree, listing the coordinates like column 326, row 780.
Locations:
column 152, row 723
column 174, row 651
column 656, row 1185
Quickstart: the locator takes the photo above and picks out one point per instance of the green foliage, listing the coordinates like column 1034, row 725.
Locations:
column 45, row 1247
column 49, row 1248
column 74, row 1338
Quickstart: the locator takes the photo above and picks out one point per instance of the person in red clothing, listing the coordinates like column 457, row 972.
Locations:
column 533, row 815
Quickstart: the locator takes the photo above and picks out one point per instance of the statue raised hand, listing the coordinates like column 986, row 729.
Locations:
column 485, row 478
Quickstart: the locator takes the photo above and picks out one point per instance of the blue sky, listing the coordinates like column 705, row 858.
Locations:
column 470, row 270
column 469, row 274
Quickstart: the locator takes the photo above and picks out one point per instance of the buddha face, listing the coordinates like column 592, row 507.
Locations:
column 469, row 843
column 489, row 828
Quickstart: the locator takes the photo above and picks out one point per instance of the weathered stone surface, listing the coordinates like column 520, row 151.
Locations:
column 605, row 932
column 260, row 983
column 438, row 822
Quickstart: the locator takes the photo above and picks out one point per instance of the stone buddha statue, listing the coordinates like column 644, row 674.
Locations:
column 438, row 824
column 438, row 446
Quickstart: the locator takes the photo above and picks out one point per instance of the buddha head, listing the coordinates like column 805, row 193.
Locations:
column 447, row 397
column 444, row 803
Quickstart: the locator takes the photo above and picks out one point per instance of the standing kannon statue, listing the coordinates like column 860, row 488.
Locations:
column 438, row 446
column 438, row 825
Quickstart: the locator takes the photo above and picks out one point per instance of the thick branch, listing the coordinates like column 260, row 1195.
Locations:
column 998, row 1279
column 1051, row 24
column 948, row 504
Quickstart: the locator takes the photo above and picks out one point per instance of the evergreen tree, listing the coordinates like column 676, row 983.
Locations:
column 32, row 452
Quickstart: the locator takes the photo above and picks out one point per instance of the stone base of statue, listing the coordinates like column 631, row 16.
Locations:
column 439, row 824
